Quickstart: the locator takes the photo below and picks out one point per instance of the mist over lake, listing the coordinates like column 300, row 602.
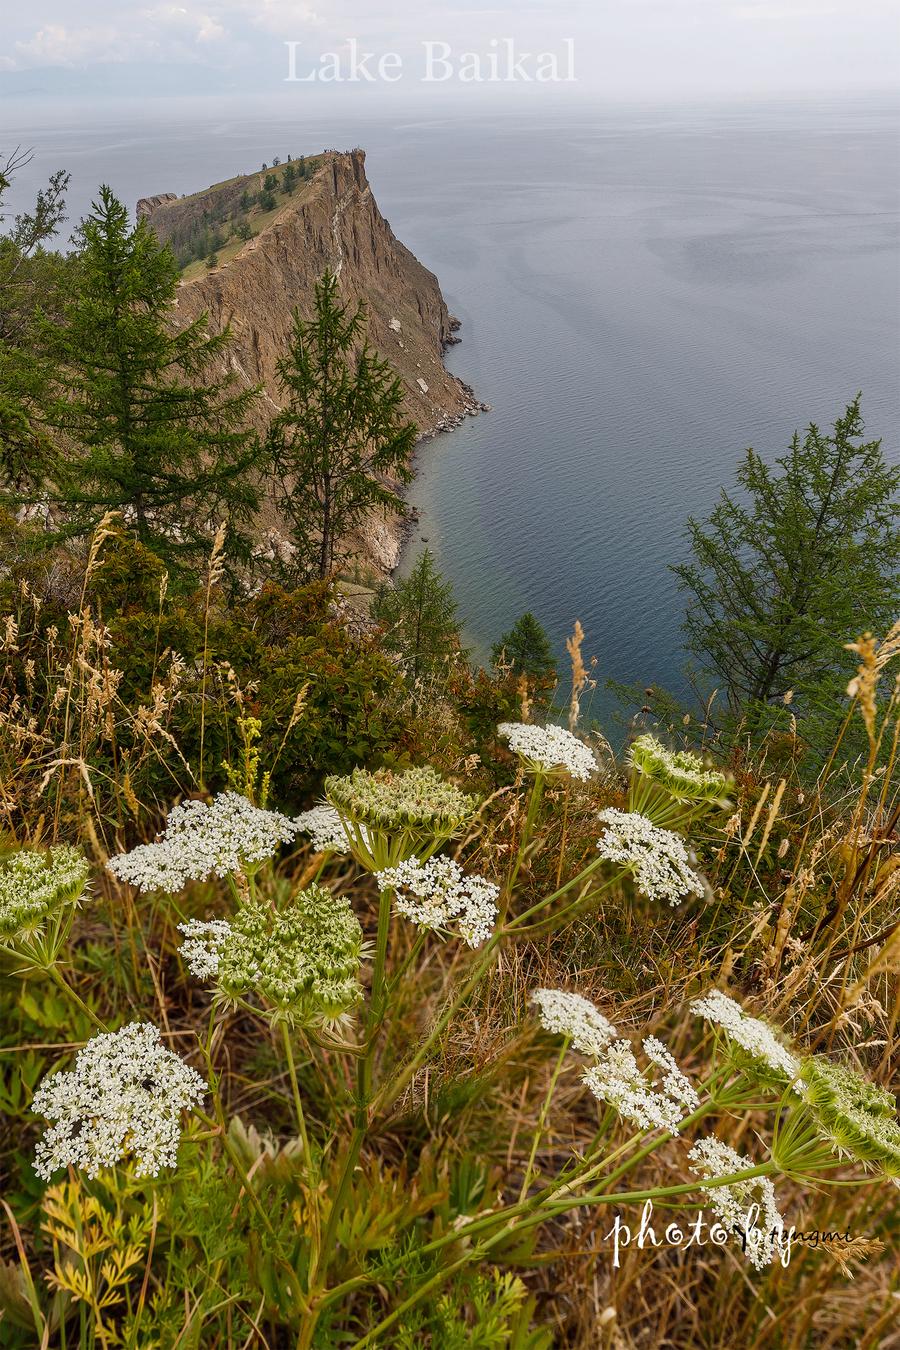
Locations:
column 644, row 293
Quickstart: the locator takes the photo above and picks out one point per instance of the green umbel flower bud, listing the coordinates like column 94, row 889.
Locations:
column 35, row 885
column 681, row 773
column 390, row 816
column 857, row 1116
column 672, row 787
column 302, row 960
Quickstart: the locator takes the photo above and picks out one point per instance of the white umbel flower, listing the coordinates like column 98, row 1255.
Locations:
column 438, row 893
column 549, row 749
column 658, row 858
column 754, row 1036
column 617, row 1079
column 566, row 1014
column 326, row 830
column 747, row 1208
column 202, row 839
column 202, row 946
column 123, row 1097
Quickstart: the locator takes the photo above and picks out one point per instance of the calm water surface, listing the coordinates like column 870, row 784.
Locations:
column 643, row 294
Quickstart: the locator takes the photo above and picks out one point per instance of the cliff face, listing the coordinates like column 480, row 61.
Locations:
column 330, row 221
column 333, row 221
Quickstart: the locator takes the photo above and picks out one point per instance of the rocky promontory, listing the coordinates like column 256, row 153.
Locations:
column 331, row 221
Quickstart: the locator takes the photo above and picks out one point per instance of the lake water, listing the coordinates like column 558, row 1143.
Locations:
column 644, row 293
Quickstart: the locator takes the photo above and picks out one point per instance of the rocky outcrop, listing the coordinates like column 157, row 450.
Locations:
column 333, row 222
column 147, row 205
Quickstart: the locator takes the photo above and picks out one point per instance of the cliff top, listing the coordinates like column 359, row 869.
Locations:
column 209, row 227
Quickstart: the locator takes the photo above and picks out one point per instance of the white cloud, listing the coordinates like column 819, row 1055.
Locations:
column 56, row 45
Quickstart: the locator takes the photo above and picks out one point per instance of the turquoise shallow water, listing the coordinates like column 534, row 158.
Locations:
column 643, row 294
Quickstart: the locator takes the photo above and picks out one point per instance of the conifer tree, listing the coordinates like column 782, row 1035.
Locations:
column 151, row 428
column 525, row 650
column 31, row 278
column 802, row 561
column 418, row 615
column 342, row 436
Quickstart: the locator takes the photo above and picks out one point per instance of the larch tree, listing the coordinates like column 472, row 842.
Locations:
column 797, row 563
column 342, row 441
column 151, row 426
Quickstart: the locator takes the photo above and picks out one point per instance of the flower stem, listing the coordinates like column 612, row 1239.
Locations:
column 295, row 1089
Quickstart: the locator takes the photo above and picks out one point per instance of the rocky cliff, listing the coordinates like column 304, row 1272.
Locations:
column 332, row 220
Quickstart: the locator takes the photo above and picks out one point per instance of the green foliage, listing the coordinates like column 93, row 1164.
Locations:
column 525, row 650
column 418, row 616
column 783, row 573
column 155, row 432
column 31, row 281
column 341, row 434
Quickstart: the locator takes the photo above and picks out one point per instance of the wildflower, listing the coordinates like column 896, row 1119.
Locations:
column 325, row 827
column 123, row 1097
column 437, row 893
column 203, row 944
column 754, row 1037
column 658, row 858
column 566, row 1014
column 389, row 816
column 855, row 1115
column 682, row 774
column 548, row 750
column 227, row 835
column 617, row 1079
column 34, row 885
column 302, row 960
column 748, row 1207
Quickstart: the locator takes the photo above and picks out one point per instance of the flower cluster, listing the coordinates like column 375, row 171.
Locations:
column 123, row 1097
column 548, row 750
column 747, row 1208
column 438, row 893
column 325, row 827
column 390, row 816
column 202, row 946
column 682, row 774
column 302, row 960
column 35, row 884
column 617, row 1079
column 658, row 858
column 227, row 835
column 755, row 1038
column 567, row 1014
column 855, row 1115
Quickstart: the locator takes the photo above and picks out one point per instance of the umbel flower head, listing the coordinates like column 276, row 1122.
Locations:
column 747, row 1208
column 566, row 1014
column 390, row 816
column 302, row 960
column 122, row 1098
column 646, row 1098
column 657, row 857
column 672, row 786
column 325, row 828
column 681, row 773
column 856, row 1116
column 759, row 1052
column 437, row 894
column 227, row 835
column 549, row 750
column 35, row 885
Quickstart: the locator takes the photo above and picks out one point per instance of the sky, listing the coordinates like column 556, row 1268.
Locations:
column 623, row 48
